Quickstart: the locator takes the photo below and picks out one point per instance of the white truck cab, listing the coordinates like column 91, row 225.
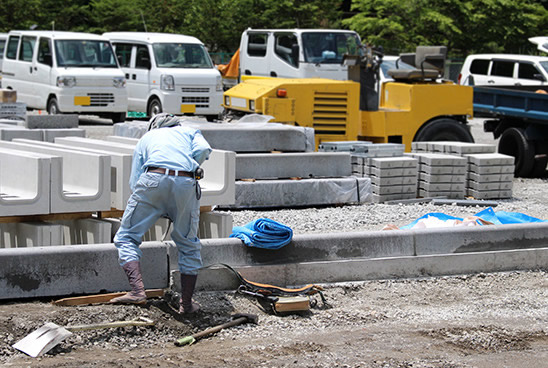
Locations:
column 168, row 73
column 297, row 53
column 65, row 72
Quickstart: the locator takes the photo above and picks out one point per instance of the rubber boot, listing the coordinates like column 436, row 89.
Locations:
column 186, row 305
column 137, row 294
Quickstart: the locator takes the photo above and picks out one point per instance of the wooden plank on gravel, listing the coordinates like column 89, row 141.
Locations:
column 102, row 298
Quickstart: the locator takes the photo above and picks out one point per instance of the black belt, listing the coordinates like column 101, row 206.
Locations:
column 161, row 170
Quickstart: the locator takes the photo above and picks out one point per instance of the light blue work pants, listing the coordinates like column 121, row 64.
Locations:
column 158, row 195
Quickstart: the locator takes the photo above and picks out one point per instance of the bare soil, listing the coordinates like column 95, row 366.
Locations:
column 484, row 320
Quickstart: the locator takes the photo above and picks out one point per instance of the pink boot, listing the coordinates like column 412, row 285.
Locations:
column 137, row 294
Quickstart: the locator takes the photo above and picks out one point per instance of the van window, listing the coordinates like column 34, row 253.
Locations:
column 479, row 66
column 27, row 48
column 329, row 47
column 142, row 60
column 44, row 51
column 123, row 53
column 283, row 47
column 256, row 44
column 85, row 54
column 11, row 52
column 181, row 55
column 503, row 68
column 528, row 71
column 2, row 45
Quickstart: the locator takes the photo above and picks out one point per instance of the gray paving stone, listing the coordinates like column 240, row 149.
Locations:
column 495, row 169
column 496, row 185
column 442, row 178
column 490, row 159
column 51, row 121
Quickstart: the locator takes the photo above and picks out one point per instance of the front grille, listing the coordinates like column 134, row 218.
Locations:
column 195, row 90
column 200, row 102
column 330, row 114
column 100, row 99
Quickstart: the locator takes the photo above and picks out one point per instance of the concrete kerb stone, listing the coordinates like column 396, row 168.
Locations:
column 72, row 270
column 309, row 258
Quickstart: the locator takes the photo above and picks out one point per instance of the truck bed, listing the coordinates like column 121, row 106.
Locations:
column 512, row 102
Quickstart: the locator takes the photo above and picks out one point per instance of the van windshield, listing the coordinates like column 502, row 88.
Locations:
column 181, row 55
column 85, row 54
column 544, row 65
column 329, row 47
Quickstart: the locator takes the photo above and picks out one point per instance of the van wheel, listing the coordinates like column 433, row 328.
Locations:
column 514, row 143
column 444, row 130
column 53, row 107
column 154, row 107
column 118, row 117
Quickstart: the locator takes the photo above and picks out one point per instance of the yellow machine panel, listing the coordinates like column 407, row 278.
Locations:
column 331, row 107
column 405, row 108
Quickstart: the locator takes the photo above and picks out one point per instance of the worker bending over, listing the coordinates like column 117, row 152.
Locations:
column 163, row 182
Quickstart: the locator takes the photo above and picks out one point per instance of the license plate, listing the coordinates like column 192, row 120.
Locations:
column 82, row 100
column 188, row 108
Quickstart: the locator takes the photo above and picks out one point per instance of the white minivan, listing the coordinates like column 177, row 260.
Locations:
column 168, row 73
column 3, row 38
column 504, row 70
column 65, row 72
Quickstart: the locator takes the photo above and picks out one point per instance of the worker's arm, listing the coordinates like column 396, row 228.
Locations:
column 136, row 166
column 200, row 148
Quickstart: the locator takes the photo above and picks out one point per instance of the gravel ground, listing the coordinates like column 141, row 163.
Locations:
column 483, row 320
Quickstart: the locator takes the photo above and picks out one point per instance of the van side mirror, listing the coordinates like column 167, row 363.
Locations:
column 295, row 53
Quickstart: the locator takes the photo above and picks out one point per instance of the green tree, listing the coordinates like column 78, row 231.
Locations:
column 17, row 14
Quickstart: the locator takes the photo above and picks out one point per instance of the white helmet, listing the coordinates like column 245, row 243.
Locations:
column 163, row 120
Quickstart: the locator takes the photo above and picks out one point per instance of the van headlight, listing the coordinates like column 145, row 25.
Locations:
column 167, row 82
column 66, row 81
column 219, row 84
column 119, row 82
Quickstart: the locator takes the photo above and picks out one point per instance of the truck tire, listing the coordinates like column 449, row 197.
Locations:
column 53, row 106
column 444, row 130
column 154, row 107
column 514, row 143
column 118, row 117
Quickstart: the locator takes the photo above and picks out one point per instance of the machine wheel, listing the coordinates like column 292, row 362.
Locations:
column 154, row 107
column 118, row 117
column 211, row 118
column 53, row 106
column 514, row 143
column 444, row 130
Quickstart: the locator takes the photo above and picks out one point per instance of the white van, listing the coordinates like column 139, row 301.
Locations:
column 297, row 53
column 168, row 73
column 504, row 70
column 65, row 72
column 3, row 38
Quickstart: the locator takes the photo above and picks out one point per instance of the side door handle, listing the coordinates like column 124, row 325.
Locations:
column 491, row 81
column 127, row 75
column 133, row 76
column 30, row 70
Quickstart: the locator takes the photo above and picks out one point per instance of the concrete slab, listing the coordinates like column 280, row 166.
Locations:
column 8, row 235
column 13, row 110
column 85, row 177
column 495, row 169
column 441, row 187
column 96, row 144
column 392, row 162
column 488, row 178
column 291, row 165
column 442, row 193
column 438, row 159
column 406, row 171
column 488, row 194
column 215, row 225
column 494, row 185
column 24, row 183
column 85, row 231
column 10, row 134
column 443, row 170
column 51, row 134
column 306, row 192
column 442, row 178
column 64, row 121
column 397, row 180
column 490, row 159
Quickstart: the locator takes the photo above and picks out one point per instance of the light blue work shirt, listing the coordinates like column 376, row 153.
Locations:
column 176, row 148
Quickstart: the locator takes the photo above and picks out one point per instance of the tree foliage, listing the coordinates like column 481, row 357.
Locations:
column 464, row 26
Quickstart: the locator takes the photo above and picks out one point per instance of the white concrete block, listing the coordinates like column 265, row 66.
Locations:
column 215, row 225
column 51, row 134
column 8, row 235
column 157, row 231
column 100, row 144
column 9, row 134
column 218, row 185
column 85, row 231
column 38, row 234
column 24, row 183
column 85, row 177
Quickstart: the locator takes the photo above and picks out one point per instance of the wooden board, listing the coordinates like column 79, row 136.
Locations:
column 48, row 217
column 102, row 298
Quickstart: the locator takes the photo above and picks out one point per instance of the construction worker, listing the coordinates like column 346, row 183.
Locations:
column 164, row 184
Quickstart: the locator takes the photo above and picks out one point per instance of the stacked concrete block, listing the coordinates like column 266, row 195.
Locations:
column 24, row 183
column 215, row 225
column 51, row 134
column 13, row 111
column 490, row 175
column 51, row 121
column 38, row 234
column 8, row 234
column 441, row 175
column 79, row 183
column 392, row 178
column 85, row 231
column 15, row 132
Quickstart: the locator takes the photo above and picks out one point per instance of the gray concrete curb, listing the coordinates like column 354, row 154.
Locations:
column 317, row 258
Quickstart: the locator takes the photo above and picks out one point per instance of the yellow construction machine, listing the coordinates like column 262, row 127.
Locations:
column 415, row 105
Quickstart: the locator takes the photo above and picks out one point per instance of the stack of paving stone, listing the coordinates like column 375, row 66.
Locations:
column 13, row 111
column 489, row 174
column 393, row 176
column 441, row 175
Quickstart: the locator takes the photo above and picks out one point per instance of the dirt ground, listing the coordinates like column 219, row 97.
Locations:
column 484, row 320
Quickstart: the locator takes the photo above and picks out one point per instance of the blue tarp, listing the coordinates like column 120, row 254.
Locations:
column 488, row 214
column 263, row 233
